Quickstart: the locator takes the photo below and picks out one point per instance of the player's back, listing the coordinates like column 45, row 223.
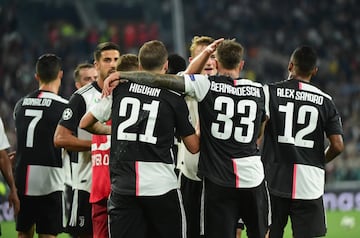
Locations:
column 144, row 120
column 300, row 115
column 36, row 117
column 230, row 118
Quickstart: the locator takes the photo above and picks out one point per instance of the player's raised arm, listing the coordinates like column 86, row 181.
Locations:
column 197, row 64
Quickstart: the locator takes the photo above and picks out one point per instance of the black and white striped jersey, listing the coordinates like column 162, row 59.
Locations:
column 294, row 143
column 144, row 121
column 39, row 166
column 231, row 112
column 79, row 104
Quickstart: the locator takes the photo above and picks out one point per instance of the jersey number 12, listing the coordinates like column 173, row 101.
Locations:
column 310, row 126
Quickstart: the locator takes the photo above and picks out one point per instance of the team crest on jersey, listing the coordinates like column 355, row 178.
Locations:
column 67, row 114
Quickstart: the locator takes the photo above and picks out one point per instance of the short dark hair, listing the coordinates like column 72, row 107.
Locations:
column 304, row 59
column 48, row 67
column 176, row 64
column 79, row 67
column 128, row 62
column 103, row 47
column 152, row 55
column 229, row 53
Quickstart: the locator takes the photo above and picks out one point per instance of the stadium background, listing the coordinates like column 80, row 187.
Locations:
column 269, row 30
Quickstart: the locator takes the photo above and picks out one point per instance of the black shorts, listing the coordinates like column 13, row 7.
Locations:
column 79, row 222
column 224, row 207
column 146, row 216
column 46, row 212
column 307, row 217
column 191, row 191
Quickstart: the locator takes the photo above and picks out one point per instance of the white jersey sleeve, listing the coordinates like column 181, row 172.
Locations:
column 196, row 86
column 4, row 142
column 102, row 109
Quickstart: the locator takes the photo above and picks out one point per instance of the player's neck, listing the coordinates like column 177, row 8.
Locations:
column 100, row 83
column 229, row 73
column 298, row 77
column 51, row 87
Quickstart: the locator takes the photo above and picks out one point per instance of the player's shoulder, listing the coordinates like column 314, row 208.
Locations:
column 247, row 82
column 86, row 94
column 173, row 93
column 299, row 85
column 313, row 89
column 86, row 89
column 194, row 77
column 53, row 96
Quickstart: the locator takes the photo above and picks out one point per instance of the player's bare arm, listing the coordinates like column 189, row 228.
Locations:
column 198, row 63
column 65, row 138
column 89, row 123
column 6, row 170
column 169, row 81
column 192, row 143
column 335, row 148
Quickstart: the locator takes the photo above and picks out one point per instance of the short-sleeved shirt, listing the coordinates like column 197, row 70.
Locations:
column 294, row 142
column 4, row 142
column 79, row 104
column 231, row 112
column 39, row 165
column 144, row 121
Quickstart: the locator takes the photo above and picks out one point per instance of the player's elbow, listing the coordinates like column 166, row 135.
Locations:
column 192, row 143
column 60, row 137
column 338, row 147
column 87, row 122
column 336, row 144
column 193, row 149
column 58, row 141
column 83, row 124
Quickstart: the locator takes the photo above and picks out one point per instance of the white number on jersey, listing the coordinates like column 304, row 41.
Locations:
column 226, row 119
column 135, row 107
column 310, row 126
column 37, row 115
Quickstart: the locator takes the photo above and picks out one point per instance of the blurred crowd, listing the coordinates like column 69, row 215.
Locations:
column 269, row 31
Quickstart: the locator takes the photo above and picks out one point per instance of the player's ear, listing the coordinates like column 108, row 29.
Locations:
column 166, row 66
column 60, row 74
column 290, row 66
column 241, row 65
column 96, row 65
column 37, row 77
column 314, row 71
column 77, row 85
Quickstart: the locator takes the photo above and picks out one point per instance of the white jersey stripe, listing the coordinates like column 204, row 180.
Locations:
column 52, row 96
